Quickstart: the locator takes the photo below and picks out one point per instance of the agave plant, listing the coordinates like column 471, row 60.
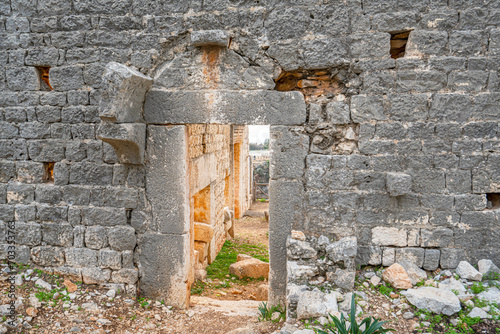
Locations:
column 372, row 325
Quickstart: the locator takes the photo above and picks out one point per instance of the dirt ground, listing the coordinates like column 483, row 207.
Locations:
column 254, row 229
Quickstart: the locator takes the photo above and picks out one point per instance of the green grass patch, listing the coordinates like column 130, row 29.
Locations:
column 228, row 254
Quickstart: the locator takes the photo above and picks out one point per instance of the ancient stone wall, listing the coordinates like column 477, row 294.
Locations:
column 401, row 152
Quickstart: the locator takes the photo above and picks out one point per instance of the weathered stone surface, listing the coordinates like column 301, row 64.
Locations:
column 226, row 107
column 398, row 184
column 128, row 141
column 467, row 271
column 491, row 295
column 341, row 278
column 250, row 268
column 389, row 236
column 262, row 292
column 488, row 269
column 203, row 232
column 124, row 91
column 476, row 312
column 210, row 38
column 435, row 300
column 397, row 276
column 343, row 250
column 314, row 304
column 414, row 272
column 297, row 249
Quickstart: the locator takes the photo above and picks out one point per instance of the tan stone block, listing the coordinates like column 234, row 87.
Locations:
column 250, row 268
column 202, row 248
column 397, row 277
column 203, row 232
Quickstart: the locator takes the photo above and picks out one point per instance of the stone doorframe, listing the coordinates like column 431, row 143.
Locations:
column 164, row 251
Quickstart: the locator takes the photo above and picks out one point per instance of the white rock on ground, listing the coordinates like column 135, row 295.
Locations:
column 479, row 313
column 414, row 272
column 452, row 284
column 375, row 280
column 433, row 299
column 467, row 271
column 314, row 304
column 244, row 330
column 487, row 267
column 41, row 283
column 491, row 295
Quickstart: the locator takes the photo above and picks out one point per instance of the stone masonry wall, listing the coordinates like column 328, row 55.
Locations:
column 402, row 153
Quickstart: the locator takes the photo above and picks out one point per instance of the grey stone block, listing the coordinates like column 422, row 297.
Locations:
column 164, row 267
column 51, row 213
column 428, row 181
column 7, row 171
column 422, row 42
column 420, row 81
column 95, row 275
column 46, row 150
column 47, row 256
column 451, row 257
column 25, row 212
column 66, row 78
column 61, row 173
column 470, row 202
column 34, row 130
column 96, row 237
column 337, row 113
column 79, row 236
column 166, row 151
column 369, row 45
column 290, row 147
column 469, row 81
column 242, row 107
column 128, row 141
column 20, row 193
column 28, row 233
column 48, row 114
column 127, row 259
column 48, row 194
column 125, row 275
column 81, row 257
column 431, row 260
column 414, row 255
column 104, row 216
column 210, row 38
column 13, row 149
column 467, row 43
column 441, row 237
column 122, row 238
column 90, row 173
column 48, row 56
column 478, row 219
column 121, row 197
column 459, row 181
column 124, row 91
column 30, row 172
column 22, row 78
column 374, row 147
column 367, row 108
column 57, row 234
column 388, row 256
column 110, row 259
column 394, row 21
column 408, row 107
column 8, row 130
column 398, row 184
column 369, row 255
column 286, row 23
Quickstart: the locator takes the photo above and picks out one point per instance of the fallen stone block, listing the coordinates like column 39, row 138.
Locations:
column 479, row 313
column 343, row 250
column 397, row 277
column 467, row 271
column 297, row 249
column 314, row 304
column 414, row 272
column 123, row 94
column 250, row 268
column 491, row 295
column 341, row 278
column 128, row 140
column 241, row 257
column 435, row 300
column 262, row 292
column 488, row 269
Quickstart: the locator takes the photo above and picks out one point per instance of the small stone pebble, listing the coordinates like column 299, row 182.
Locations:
column 408, row 315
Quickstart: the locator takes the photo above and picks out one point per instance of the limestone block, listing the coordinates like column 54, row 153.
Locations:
column 262, row 292
column 397, row 276
column 341, row 278
column 242, row 257
column 128, row 276
column 398, row 184
column 203, row 232
column 343, row 250
column 414, row 272
column 202, row 248
column 389, row 236
column 467, row 271
column 123, row 94
column 210, row 38
column 94, row 276
column 488, row 268
column 313, row 304
column 297, row 249
column 431, row 259
column 433, row 299
column 250, row 268
column 128, row 140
